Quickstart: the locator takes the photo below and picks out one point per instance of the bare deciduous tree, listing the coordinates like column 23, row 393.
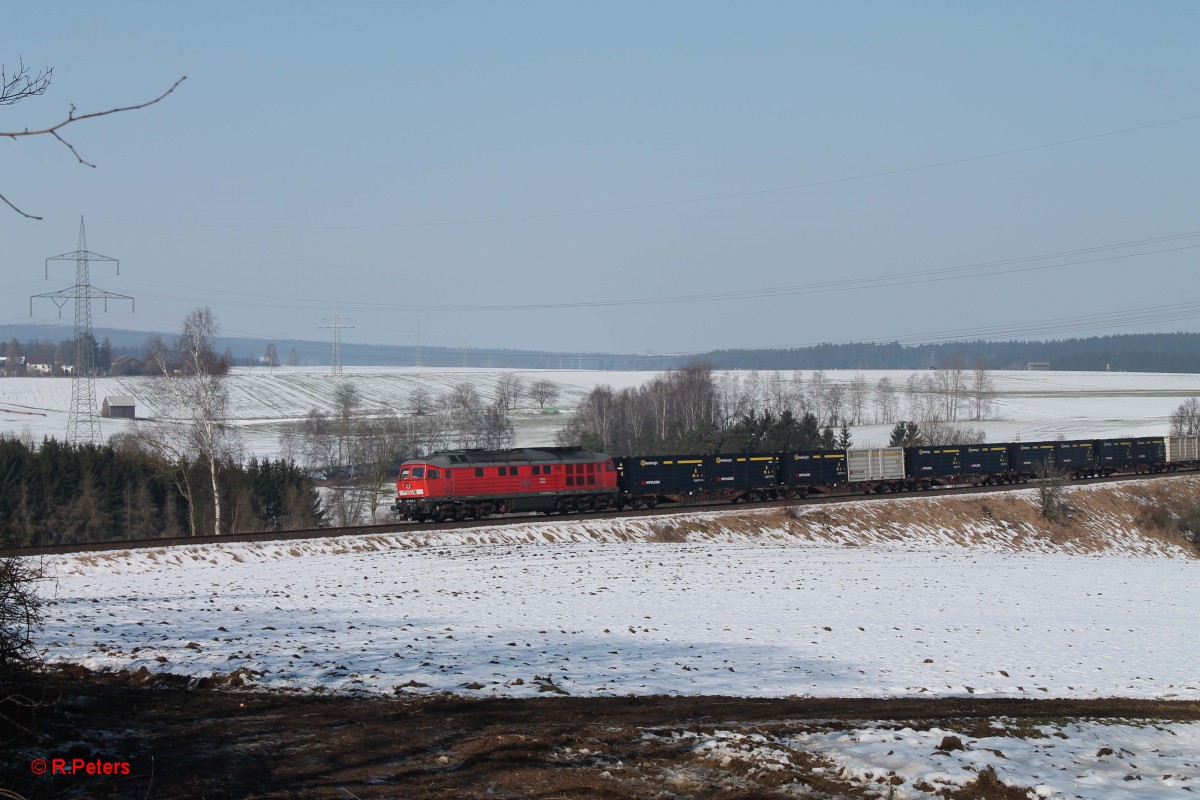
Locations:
column 311, row 441
column 543, row 391
column 509, row 390
column 778, row 397
column 462, row 397
column 194, row 427
column 934, row 432
column 1185, row 420
column 379, row 444
column 981, row 391
column 886, row 404
column 1052, row 492
column 419, row 400
column 24, row 84
column 346, row 405
column 856, row 405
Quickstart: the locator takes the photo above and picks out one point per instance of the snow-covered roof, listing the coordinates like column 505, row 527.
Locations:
column 120, row 400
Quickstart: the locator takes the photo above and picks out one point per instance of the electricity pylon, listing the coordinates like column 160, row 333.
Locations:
column 82, row 425
column 337, row 326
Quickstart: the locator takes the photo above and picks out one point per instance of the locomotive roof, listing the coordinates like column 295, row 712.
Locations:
column 521, row 455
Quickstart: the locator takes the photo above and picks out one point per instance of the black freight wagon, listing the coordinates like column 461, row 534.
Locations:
column 1143, row 454
column 741, row 474
column 928, row 464
column 1150, row 453
column 1113, row 454
column 985, row 459
column 809, row 469
column 660, row 475
column 1077, row 457
column 1029, row 458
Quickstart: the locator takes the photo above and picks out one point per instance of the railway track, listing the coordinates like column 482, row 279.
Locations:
column 433, row 527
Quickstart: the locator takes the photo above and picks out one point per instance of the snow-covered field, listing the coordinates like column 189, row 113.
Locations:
column 856, row 609
column 1028, row 405
column 533, row 611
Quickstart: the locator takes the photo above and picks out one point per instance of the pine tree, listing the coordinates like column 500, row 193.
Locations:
column 844, row 441
column 905, row 434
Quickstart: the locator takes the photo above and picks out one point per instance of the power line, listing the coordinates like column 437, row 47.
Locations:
column 693, row 200
column 981, row 269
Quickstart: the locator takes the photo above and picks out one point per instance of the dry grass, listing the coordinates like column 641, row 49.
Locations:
column 1141, row 518
column 666, row 532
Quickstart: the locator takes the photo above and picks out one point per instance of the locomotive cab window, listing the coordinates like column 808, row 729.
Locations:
column 433, row 473
column 418, row 472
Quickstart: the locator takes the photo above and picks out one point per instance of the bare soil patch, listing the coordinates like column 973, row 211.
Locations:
column 208, row 743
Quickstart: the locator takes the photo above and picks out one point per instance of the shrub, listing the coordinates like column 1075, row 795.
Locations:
column 20, row 614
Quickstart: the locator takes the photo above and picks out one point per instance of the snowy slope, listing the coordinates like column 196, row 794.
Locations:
column 594, row 609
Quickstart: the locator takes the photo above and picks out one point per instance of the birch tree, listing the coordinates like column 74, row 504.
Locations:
column 194, row 429
column 981, row 391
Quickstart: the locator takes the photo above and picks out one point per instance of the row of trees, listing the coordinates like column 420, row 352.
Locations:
column 950, row 393
column 109, row 360
column 1141, row 352
column 57, row 355
column 691, row 410
column 59, row 493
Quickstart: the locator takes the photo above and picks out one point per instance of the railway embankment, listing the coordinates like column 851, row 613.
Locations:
column 1157, row 518
column 1152, row 518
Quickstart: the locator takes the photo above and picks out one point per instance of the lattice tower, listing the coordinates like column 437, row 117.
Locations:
column 82, row 424
column 339, row 322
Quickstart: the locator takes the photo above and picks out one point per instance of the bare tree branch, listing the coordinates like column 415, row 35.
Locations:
column 15, row 88
column 8, row 203
column 21, row 86
column 72, row 118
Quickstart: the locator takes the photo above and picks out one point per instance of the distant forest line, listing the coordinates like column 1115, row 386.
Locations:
column 1145, row 352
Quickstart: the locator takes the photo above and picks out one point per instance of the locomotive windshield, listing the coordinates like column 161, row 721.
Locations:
column 416, row 472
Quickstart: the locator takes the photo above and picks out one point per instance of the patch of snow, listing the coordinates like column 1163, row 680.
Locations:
column 1082, row 760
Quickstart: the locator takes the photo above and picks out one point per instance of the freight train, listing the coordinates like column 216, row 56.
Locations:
column 466, row 484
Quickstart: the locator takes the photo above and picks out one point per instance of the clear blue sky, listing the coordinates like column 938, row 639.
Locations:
column 406, row 157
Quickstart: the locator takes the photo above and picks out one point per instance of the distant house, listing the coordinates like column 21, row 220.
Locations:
column 118, row 406
column 1037, row 366
column 127, row 365
column 39, row 365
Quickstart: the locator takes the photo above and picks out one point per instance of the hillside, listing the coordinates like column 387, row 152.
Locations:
column 1137, row 352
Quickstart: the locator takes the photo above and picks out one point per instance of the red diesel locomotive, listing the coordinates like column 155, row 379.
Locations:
column 465, row 484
